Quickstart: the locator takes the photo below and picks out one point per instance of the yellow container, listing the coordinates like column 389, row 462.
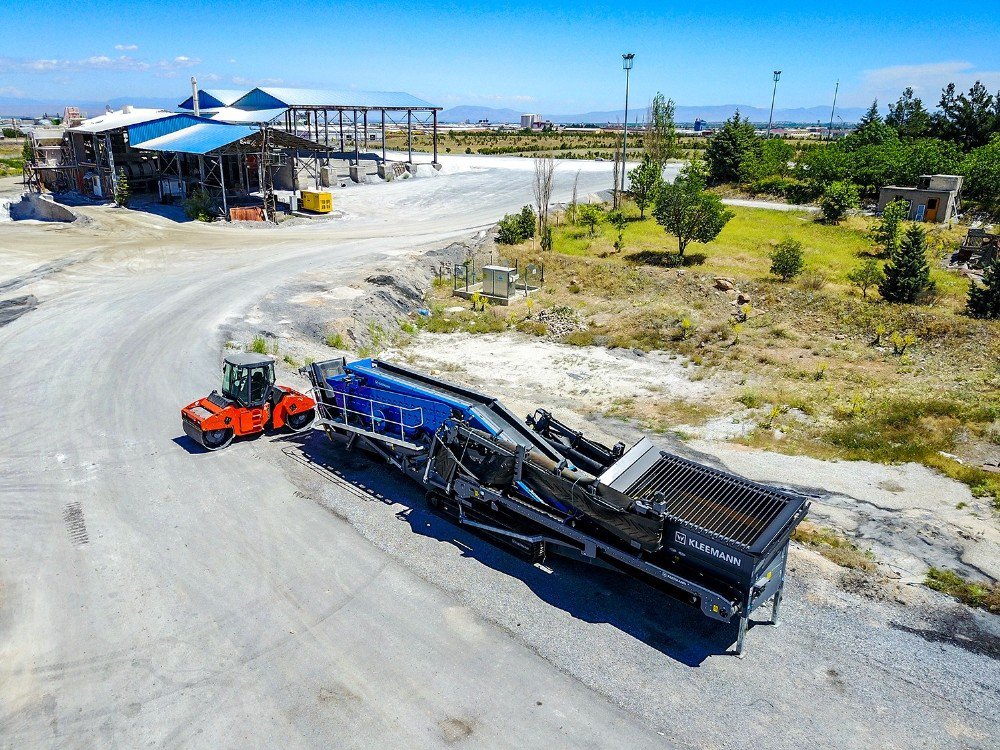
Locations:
column 320, row 202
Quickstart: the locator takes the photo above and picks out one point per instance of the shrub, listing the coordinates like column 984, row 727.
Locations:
column 984, row 301
column 888, row 230
column 591, row 214
column 866, row 275
column 513, row 229
column 813, row 281
column 839, row 198
column 199, row 207
column 258, row 345
column 336, row 341
column 787, row 259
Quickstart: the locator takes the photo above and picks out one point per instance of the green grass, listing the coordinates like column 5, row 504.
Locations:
column 336, row 341
column 982, row 595
column 742, row 248
column 258, row 345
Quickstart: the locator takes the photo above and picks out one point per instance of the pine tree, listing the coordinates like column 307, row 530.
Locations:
column 122, row 191
column 984, row 301
column 871, row 117
column 908, row 275
column 734, row 143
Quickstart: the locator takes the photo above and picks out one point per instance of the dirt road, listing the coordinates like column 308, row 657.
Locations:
column 150, row 596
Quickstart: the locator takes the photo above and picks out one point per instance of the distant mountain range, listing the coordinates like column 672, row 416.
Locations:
column 683, row 114
column 11, row 106
column 18, row 107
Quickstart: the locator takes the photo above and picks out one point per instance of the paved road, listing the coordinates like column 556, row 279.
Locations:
column 154, row 597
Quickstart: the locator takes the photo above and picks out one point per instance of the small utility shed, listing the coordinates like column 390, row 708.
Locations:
column 935, row 198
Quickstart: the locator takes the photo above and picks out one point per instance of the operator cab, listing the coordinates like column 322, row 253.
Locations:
column 247, row 378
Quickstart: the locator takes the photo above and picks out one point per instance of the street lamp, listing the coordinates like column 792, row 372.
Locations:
column 627, row 66
column 770, row 119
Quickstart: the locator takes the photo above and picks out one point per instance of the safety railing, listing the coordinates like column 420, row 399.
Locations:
column 375, row 415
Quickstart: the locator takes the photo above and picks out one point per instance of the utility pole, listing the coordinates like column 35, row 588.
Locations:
column 627, row 65
column 833, row 111
column 774, row 93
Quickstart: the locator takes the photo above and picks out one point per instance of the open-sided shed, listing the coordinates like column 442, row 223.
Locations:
column 333, row 117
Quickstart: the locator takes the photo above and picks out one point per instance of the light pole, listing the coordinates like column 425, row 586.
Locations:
column 627, row 65
column 770, row 119
column 833, row 111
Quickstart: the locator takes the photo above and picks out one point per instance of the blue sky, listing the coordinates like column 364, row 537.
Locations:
column 550, row 57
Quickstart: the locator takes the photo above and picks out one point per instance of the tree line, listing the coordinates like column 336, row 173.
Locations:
column 961, row 137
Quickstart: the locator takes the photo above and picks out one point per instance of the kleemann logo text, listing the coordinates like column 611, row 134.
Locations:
column 681, row 538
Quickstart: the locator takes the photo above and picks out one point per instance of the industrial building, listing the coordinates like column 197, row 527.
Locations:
column 237, row 146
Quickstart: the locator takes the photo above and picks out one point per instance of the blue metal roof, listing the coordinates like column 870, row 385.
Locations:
column 274, row 98
column 212, row 98
column 147, row 131
column 202, row 138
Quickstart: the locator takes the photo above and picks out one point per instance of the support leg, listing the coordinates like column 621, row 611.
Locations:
column 741, row 637
column 775, row 609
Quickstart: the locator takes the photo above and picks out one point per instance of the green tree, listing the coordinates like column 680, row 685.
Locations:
column 734, row 143
column 908, row 116
column 528, row 221
column 660, row 137
column 617, row 220
column 787, row 259
column 686, row 209
column 122, row 191
column 887, row 231
column 645, row 181
column 772, row 159
column 838, row 198
column 591, row 214
column 908, row 275
column 969, row 119
column 866, row 275
column 981, row 169
column 984, row 300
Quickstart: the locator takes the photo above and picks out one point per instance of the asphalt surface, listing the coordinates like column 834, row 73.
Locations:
column 152, row 595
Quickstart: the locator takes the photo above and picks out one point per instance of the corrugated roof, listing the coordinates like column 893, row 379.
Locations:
column 119, row 119
column 271, row 98
column 147, row 131
column 231, row 114
column 202, row 138
column 213, row 98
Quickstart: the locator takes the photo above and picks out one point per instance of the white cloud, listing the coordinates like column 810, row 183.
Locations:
column 126, row 47
column 49, row 65
column 11, row 91
column 241, row 81
column 181, row 61
column 926, row 80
